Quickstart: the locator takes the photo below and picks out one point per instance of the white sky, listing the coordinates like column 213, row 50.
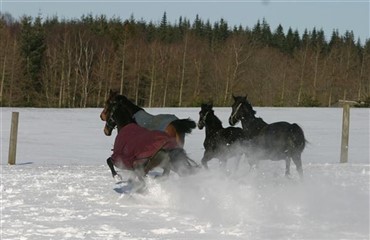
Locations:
column 302, row 14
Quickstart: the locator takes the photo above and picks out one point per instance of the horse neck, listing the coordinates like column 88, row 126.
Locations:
column 122, row 118
column 132, row 108
column 213, row 124
column 252, row 125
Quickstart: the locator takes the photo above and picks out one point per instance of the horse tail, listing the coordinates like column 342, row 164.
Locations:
column 184, row 126
column 297, row 138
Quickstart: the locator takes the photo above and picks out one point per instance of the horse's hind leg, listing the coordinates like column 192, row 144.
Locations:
column 287, row 166
column 298, row 163
column 160, row 159
column 180, row 162
column 164, row 162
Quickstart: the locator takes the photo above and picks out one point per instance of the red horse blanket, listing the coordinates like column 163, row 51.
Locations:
column 136, row 143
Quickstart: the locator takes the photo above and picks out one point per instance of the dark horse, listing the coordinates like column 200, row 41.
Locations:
column 168, row 123
column 139, row 149
column 219, row 142
column 275, row 141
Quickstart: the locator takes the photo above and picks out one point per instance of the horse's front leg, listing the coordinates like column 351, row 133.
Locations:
column 208, row 155
column 115, row 175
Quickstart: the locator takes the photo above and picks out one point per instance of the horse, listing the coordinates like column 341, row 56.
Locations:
column 168, row 123
column 141, row 150
column 275, row 141
column 219, row 142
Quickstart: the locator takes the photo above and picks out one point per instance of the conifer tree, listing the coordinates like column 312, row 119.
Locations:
column 266, row 35
column 32, row 49
column 279, row 38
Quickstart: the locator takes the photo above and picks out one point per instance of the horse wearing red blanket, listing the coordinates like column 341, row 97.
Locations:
column 139, row 149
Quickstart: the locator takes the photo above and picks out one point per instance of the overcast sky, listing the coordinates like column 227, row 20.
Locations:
column 328, row 15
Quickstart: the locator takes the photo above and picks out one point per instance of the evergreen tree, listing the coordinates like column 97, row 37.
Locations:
column 208, row 31
column 334, row 40
column 257, row 32
column 320, row 41
column 164, row 28
column 223, row 30
column 305, row 38
column 32, row 50
column 290, row 42
column 266, row 35
column 279, row 38
column 349, row 38
column 198, row 26
column 150, row 32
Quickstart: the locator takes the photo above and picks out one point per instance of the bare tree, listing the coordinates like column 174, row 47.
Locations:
column 152, row 73
column 183, row 65
column 236, row 65
column 301, row 77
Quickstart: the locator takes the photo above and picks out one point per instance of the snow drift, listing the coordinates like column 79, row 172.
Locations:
column 62, row 189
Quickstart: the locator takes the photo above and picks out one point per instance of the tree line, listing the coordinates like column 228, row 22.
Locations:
column 74, row 62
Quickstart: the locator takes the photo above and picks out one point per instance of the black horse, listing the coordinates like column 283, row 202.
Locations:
column 139, row 149
column 219, row 142
column 168, row 123
column 275, row 141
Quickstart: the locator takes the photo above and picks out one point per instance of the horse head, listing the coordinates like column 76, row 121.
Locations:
column 206, row 108
column 111, row 97
column 109, row 111
column 116, row 115
column 241, row 109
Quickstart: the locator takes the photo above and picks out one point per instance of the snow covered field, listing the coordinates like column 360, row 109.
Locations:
column 61, row 187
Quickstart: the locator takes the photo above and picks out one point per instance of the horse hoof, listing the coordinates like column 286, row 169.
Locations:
column 117, row 178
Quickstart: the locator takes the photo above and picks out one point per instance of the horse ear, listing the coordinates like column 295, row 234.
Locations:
column 233, row 96
column 246, row 96
column 113, row 92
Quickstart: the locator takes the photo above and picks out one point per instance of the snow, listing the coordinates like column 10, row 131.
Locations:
column 61, row 187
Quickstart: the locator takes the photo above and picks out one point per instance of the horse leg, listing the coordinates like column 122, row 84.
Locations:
column 298, row 163
column 237, row 164
column 139, row 171
column 115, row 175
column 180, row 162
column 287, row 166
column 160, row 159
column 223, row 163
column 253, row 162
column 206, row 157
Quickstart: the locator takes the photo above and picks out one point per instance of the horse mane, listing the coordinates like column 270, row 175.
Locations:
column 122, row 115
column 209, row 108
column 249, row 106
column 216, row 120
column 128, row 104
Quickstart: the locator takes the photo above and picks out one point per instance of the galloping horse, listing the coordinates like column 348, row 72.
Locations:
column 219, row 142
column 168, row 123
column 139, row 149
column 275, row 141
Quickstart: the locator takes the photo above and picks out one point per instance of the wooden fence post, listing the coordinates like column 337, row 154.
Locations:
column 345, row 130
column 345, row 134
column 13, row 138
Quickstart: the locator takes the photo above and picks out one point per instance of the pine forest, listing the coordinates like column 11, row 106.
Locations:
column 73, row 63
